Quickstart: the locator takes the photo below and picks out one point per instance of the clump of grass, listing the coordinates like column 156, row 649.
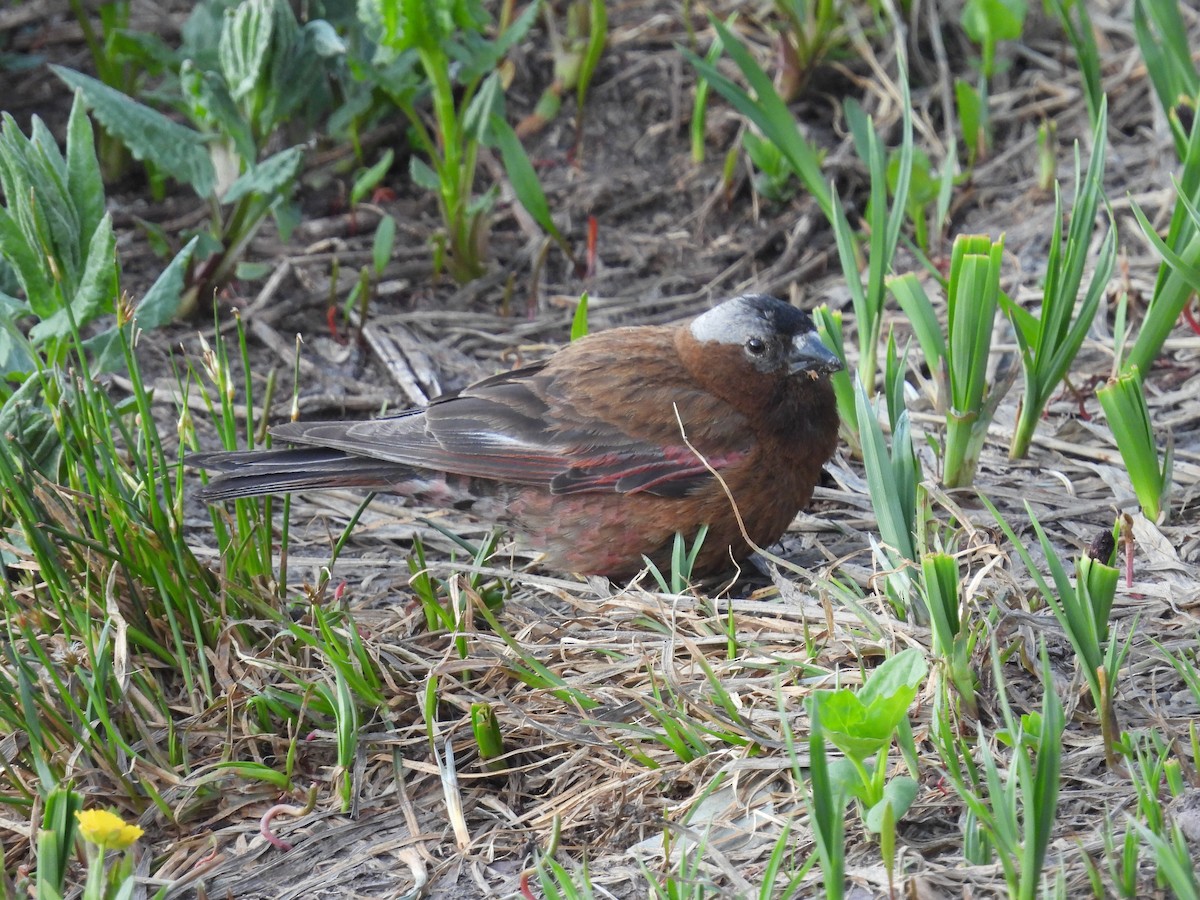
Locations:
column 960, row 359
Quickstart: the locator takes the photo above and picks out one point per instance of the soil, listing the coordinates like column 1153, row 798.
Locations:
column 672, row 238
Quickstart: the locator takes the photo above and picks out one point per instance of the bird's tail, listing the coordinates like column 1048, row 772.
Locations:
column 254, row 473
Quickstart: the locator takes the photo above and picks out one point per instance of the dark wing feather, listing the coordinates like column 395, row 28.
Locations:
column 579, row 423
column 252, row 473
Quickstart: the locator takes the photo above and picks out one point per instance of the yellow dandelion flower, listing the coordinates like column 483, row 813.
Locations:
column 106, row 830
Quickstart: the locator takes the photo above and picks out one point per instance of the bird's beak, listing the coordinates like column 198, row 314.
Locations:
column 810, row 355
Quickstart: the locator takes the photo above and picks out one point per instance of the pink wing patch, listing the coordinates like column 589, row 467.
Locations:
column 672, row 472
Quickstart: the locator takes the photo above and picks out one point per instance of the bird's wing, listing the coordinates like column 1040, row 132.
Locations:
column 585, row 431
column 496, row 429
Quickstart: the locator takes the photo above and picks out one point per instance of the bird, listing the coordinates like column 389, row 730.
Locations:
column 601, row 453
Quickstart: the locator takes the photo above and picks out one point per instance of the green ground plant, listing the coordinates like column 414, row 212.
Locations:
column 265, row 68
column 987, row 23
column 1123, row 399
column 1179, row 273
column 1051, row 339
column 576, row 48
column 139, row 671
column 57, row 243
column 116, row 64
column 862, row 725
column 1163, row 44
column 1013, row 806
column 893, row 482
column 811, row 32
column 959, row 360
column 442, row 49
column 1077, row 24
column 1083, row 609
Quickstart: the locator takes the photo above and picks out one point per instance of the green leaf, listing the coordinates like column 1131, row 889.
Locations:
column 972, row 118
column 852, row 727
column 827, row 805
column 383, row 244
column 898, row 794
column 972, row 298
column 523, row 176
column 245, row 39
column 269, row 178
column 918, row 308
column 891, row 476
column 941, row 580
column 149, row 135
column 27, row 264
column 209, row 105
column 367, row 181
column 84, row 181
column 486, row 106
column 324, row 39
column 422, row 175
column 993, row 20
column 903, row 671
column 579, row 328
column 767, row 110
column 160, row 304
column 95, row 293
column 597, row 37
column 1124, row 402
column 861, row 724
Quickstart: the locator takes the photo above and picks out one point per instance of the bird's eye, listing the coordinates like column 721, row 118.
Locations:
column 756, row 346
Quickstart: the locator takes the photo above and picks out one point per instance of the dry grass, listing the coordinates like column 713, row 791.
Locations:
column 595, row 773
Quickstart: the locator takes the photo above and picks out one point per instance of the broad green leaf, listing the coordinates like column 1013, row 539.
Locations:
column 161, row 302
column 850, row 726
column 324, row 39
column 149, row 135
column 269, row 178
column 245, row 39
column 900, row 673
column 26, row 261
column 84, row 182
column 210, row 106
column 899, row 793
column 95, row 293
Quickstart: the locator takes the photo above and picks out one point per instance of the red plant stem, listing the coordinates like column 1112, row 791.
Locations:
column 1191, row 319
column 592, row 240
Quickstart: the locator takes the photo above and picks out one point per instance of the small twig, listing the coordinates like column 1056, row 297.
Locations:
column 771, row 557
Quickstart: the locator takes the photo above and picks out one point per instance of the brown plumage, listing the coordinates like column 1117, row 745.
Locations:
column 583, row 453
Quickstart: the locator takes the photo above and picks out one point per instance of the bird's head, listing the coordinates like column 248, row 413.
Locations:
column 759, row 338
column 764, row 358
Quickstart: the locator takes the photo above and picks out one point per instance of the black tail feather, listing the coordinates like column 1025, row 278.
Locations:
column 256, row 473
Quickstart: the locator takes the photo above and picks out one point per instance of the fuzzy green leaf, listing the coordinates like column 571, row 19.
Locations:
column 149, row 135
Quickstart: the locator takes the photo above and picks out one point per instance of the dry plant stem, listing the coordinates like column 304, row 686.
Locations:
column 264, row 827
column 733, row 503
